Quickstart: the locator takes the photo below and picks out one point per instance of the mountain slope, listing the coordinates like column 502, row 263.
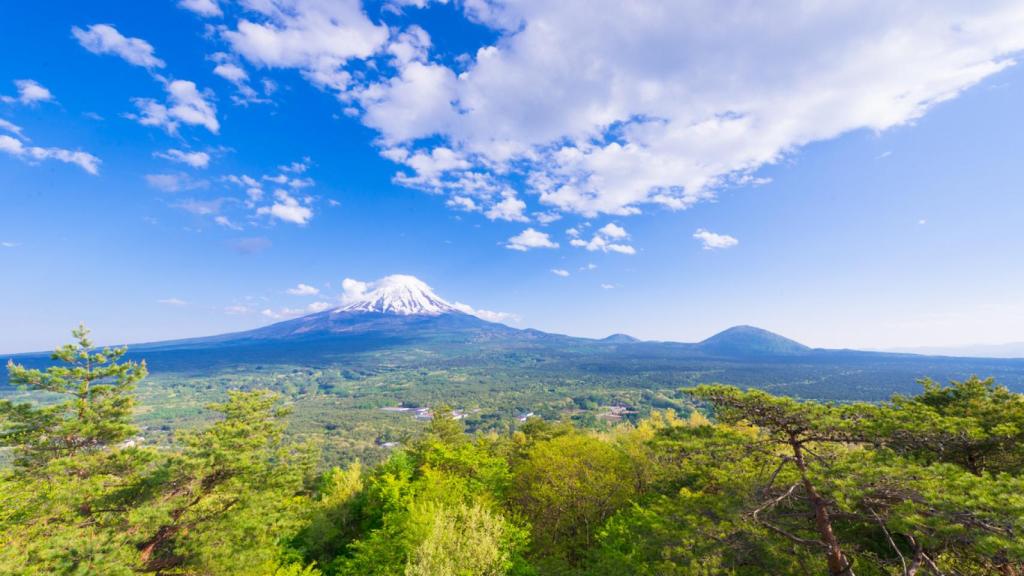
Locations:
column 750, row 341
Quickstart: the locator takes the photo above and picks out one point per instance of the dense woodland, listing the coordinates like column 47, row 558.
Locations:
column 745, row 484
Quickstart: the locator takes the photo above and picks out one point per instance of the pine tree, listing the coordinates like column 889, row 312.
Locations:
column 95, row 391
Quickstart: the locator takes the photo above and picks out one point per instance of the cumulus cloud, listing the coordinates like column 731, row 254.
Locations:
column 30, row 92
column 105, row 39
column 193, row 159
column 204, row 8
column 462, row 203
column 529, row 239
column 317, row 37
column 664, row 103
column 560, row 272
column 287, row 208
column 34, row 154
column 509, row 208
column 303, row 290
column 711, row 241
column 185, row 105
column 353, row 290
column 608, row 238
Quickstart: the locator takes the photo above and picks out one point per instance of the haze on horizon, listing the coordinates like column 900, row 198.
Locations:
column 180, row 169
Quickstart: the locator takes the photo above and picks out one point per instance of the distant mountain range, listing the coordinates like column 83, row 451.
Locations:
column 1008, row 350
column 403, row 324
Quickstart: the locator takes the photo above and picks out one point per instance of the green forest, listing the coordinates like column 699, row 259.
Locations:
column 744, row 483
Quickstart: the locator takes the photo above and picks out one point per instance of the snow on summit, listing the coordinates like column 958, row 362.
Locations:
column 396, row 294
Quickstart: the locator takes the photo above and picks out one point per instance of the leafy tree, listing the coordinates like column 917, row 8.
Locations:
column 567, row 487
column 465, row 540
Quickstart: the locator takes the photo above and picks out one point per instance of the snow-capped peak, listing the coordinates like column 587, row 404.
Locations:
column 398, row 294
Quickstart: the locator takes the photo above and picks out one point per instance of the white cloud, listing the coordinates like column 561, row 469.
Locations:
column 412, row 105
column 243, row 180
column 175, row 182
column 353, row 290
column 29, row 93
column 509, row 208
column 560, row 272
column 204, row 8
column 226, row 222
column 546, row 218
column 317, row 307
column 606, row 239
column 462, row 203
column 229, row 69
column 528, row 239
column 303, row 290
column 11, row 127
column 173, row 302
column 105, row 39
column 607, row 286
column 612, row 230
column 231, row 72
column 315, row 36
column 193, row 159
column 296, row 167
column 712, row 241
column 664, row 103
column 489, row 315
column 202, row 207
column 237, row 309
column 32, row 154
column 185, row 105
column 282, row 313
column 9, row 244
column 922, row 221
column 589, row 267
column 287, row 208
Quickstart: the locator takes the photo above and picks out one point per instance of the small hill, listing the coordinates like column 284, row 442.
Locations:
column 620, row 339
column 740, row 341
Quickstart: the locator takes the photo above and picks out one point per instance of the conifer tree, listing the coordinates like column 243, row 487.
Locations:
column 96, row 388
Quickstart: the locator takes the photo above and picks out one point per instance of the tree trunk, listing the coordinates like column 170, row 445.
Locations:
column 838, row 565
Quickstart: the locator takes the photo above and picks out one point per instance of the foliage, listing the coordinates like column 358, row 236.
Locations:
column 752, row 484
column 94, row 410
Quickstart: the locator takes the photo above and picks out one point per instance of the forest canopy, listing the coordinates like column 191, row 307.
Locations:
column 746, row 483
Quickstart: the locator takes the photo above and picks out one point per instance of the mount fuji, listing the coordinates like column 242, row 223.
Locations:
column 393, row 311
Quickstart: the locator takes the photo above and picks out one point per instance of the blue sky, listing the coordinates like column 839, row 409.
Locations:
column 848, row 177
